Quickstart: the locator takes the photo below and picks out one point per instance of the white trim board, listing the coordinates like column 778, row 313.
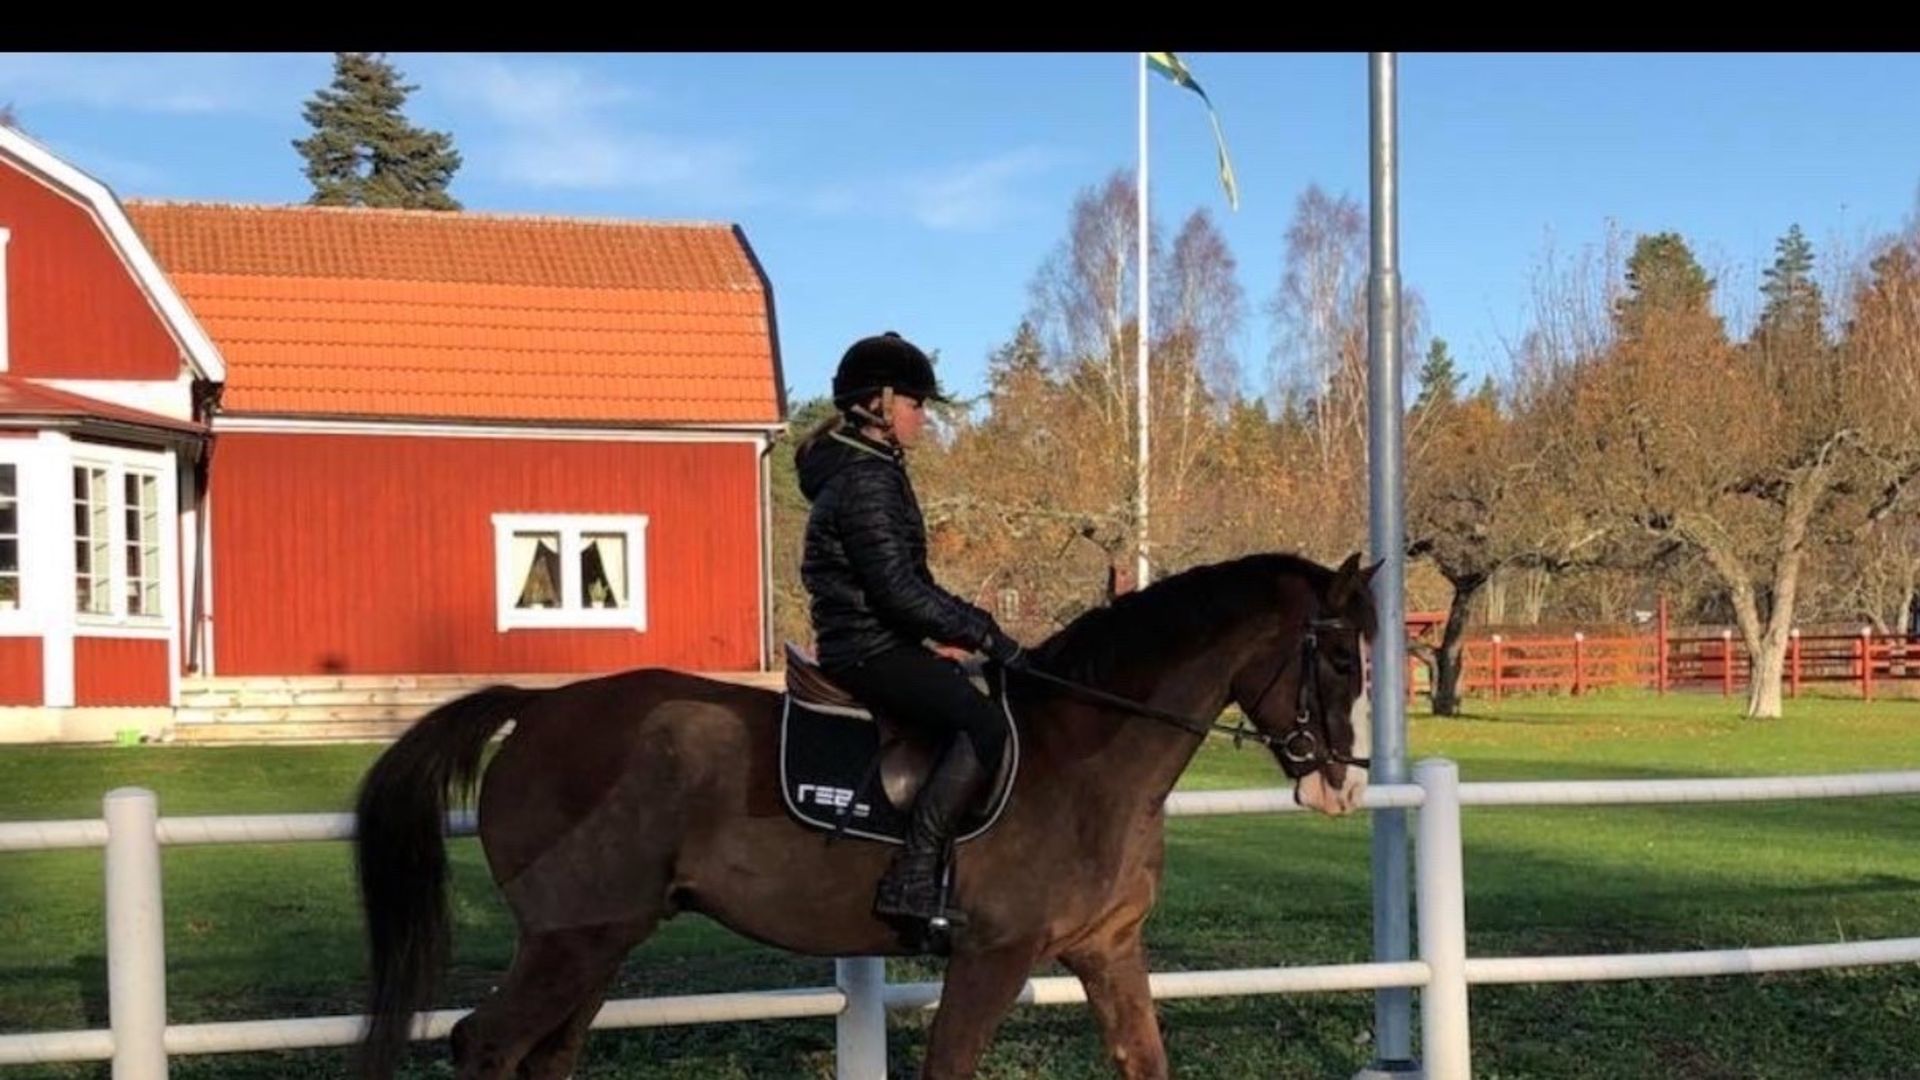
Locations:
column 755, row 435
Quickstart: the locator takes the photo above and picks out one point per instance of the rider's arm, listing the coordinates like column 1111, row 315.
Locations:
column 873, row 526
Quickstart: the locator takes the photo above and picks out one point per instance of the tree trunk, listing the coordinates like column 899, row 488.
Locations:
column 1767, row 645
column 1534, row 601
column 1446, row 662
column 1769, row 668
column 1497, row 598
column 1909, row 597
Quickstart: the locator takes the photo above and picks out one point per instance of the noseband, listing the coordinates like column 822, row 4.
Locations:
column 1301, row 745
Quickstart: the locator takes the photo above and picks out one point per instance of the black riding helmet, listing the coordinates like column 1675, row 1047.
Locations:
column 874, row 363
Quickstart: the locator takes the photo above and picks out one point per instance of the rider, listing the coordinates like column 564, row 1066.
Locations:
column 883, row 628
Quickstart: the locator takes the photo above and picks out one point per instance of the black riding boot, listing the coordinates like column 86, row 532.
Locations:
column 911, row 888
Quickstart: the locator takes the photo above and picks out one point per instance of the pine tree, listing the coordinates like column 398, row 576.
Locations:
column 1021, row 358
column 1439, row 379
column 364, row 151
column 1795, row 312
column 1663, row 277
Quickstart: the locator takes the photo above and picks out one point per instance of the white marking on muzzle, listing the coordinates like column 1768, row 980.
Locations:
column 1360, row 720
column 1312, row 791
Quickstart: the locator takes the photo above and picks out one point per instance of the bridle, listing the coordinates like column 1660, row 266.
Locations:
column 1299, row 746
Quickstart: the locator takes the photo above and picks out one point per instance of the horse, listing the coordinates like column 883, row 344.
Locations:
column 619, row 801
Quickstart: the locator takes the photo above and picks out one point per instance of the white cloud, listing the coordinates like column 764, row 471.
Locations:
column 975, row 196
column 560, row 126
column 969, row 196
column 528, row 94
column 834, row 201
column 607, row 160
column 159, row 83
column 122, row 174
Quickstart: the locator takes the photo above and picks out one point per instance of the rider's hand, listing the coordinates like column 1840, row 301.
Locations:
column 1007, row 652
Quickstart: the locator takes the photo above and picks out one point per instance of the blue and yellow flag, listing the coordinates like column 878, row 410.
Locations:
column 1176, row 71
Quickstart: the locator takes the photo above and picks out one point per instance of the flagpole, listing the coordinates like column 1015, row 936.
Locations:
column 1141, row 464
column 1393, row 1026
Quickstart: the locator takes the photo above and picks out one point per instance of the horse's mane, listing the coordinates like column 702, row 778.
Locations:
column 1142, row 629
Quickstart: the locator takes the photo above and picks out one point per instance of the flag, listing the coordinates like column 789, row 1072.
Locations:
column 1175, row 70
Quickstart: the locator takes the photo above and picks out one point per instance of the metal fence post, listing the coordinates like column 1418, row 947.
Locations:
column 1445, row 1049
column 860, row 1031
column 136, row 936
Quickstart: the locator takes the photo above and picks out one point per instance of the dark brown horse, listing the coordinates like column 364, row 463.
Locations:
column 620, row 801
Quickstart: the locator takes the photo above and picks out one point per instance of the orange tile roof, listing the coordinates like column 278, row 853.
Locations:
column 423, row 314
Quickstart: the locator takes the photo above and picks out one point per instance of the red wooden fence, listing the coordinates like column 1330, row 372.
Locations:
column 1498, row 666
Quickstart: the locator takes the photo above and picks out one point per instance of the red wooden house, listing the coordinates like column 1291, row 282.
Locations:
column 293, row 441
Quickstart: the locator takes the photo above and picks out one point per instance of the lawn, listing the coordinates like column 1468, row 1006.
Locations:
column 271, row 930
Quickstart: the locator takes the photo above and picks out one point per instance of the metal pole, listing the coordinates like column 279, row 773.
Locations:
column 860, row 1032
column 1393, row 1027
column 1444, row 1030
column 1142, row 466
column 136, row 938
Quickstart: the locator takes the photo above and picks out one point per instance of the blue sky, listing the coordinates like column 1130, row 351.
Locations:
column 921, row 192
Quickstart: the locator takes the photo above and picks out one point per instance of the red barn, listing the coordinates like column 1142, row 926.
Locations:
column 350, row 442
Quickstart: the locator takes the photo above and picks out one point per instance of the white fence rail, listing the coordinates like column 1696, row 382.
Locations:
column 140, row 1041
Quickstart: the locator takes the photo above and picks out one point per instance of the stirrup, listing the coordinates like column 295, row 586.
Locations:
column 930, row 933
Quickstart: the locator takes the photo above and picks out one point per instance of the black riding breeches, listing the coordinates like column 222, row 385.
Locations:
column 924, row 690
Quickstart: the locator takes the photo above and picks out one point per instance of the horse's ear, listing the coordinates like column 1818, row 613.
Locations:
column 1343, row 583
column 1366, row 576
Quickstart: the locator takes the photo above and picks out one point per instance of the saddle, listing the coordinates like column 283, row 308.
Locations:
column 846, row 768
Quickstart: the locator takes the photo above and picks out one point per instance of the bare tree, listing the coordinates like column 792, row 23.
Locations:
column 1741, row 453
column 1320, row 320
column 1083, row 299
column 1199, row 308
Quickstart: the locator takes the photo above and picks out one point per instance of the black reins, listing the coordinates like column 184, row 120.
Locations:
column 1300, row 745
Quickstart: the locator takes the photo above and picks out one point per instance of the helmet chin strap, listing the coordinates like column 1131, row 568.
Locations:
column 884, row 421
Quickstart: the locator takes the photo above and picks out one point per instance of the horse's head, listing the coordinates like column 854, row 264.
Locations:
column 1304, row 689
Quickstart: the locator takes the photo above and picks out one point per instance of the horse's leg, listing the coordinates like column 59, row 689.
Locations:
column 979, row 989
column 554, row 972
column 1112, row 965
column 552, row 1058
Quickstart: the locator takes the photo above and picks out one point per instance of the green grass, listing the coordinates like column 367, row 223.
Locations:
column 271, row 930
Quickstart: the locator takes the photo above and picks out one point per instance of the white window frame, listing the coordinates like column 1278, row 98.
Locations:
column 46, row 556
column 570, row 615
column 99, row 577
column 19, row 537
column 119, row 463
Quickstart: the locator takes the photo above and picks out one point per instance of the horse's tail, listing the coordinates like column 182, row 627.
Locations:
column 401, row 858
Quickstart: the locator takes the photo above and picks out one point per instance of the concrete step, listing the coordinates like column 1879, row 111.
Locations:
column 275, row 684
column 282, row 714
column 324, row 708
column 296, row 731
column 414, row 698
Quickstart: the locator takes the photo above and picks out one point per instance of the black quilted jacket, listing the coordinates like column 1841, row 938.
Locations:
column 865, row 560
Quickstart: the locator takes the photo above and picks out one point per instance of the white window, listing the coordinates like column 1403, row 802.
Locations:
column 560, row 571
column 9, row 537
column 142, row 542
column 117, row 537
column 92, row 562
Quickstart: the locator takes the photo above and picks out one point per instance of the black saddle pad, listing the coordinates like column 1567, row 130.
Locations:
column 828, row 763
